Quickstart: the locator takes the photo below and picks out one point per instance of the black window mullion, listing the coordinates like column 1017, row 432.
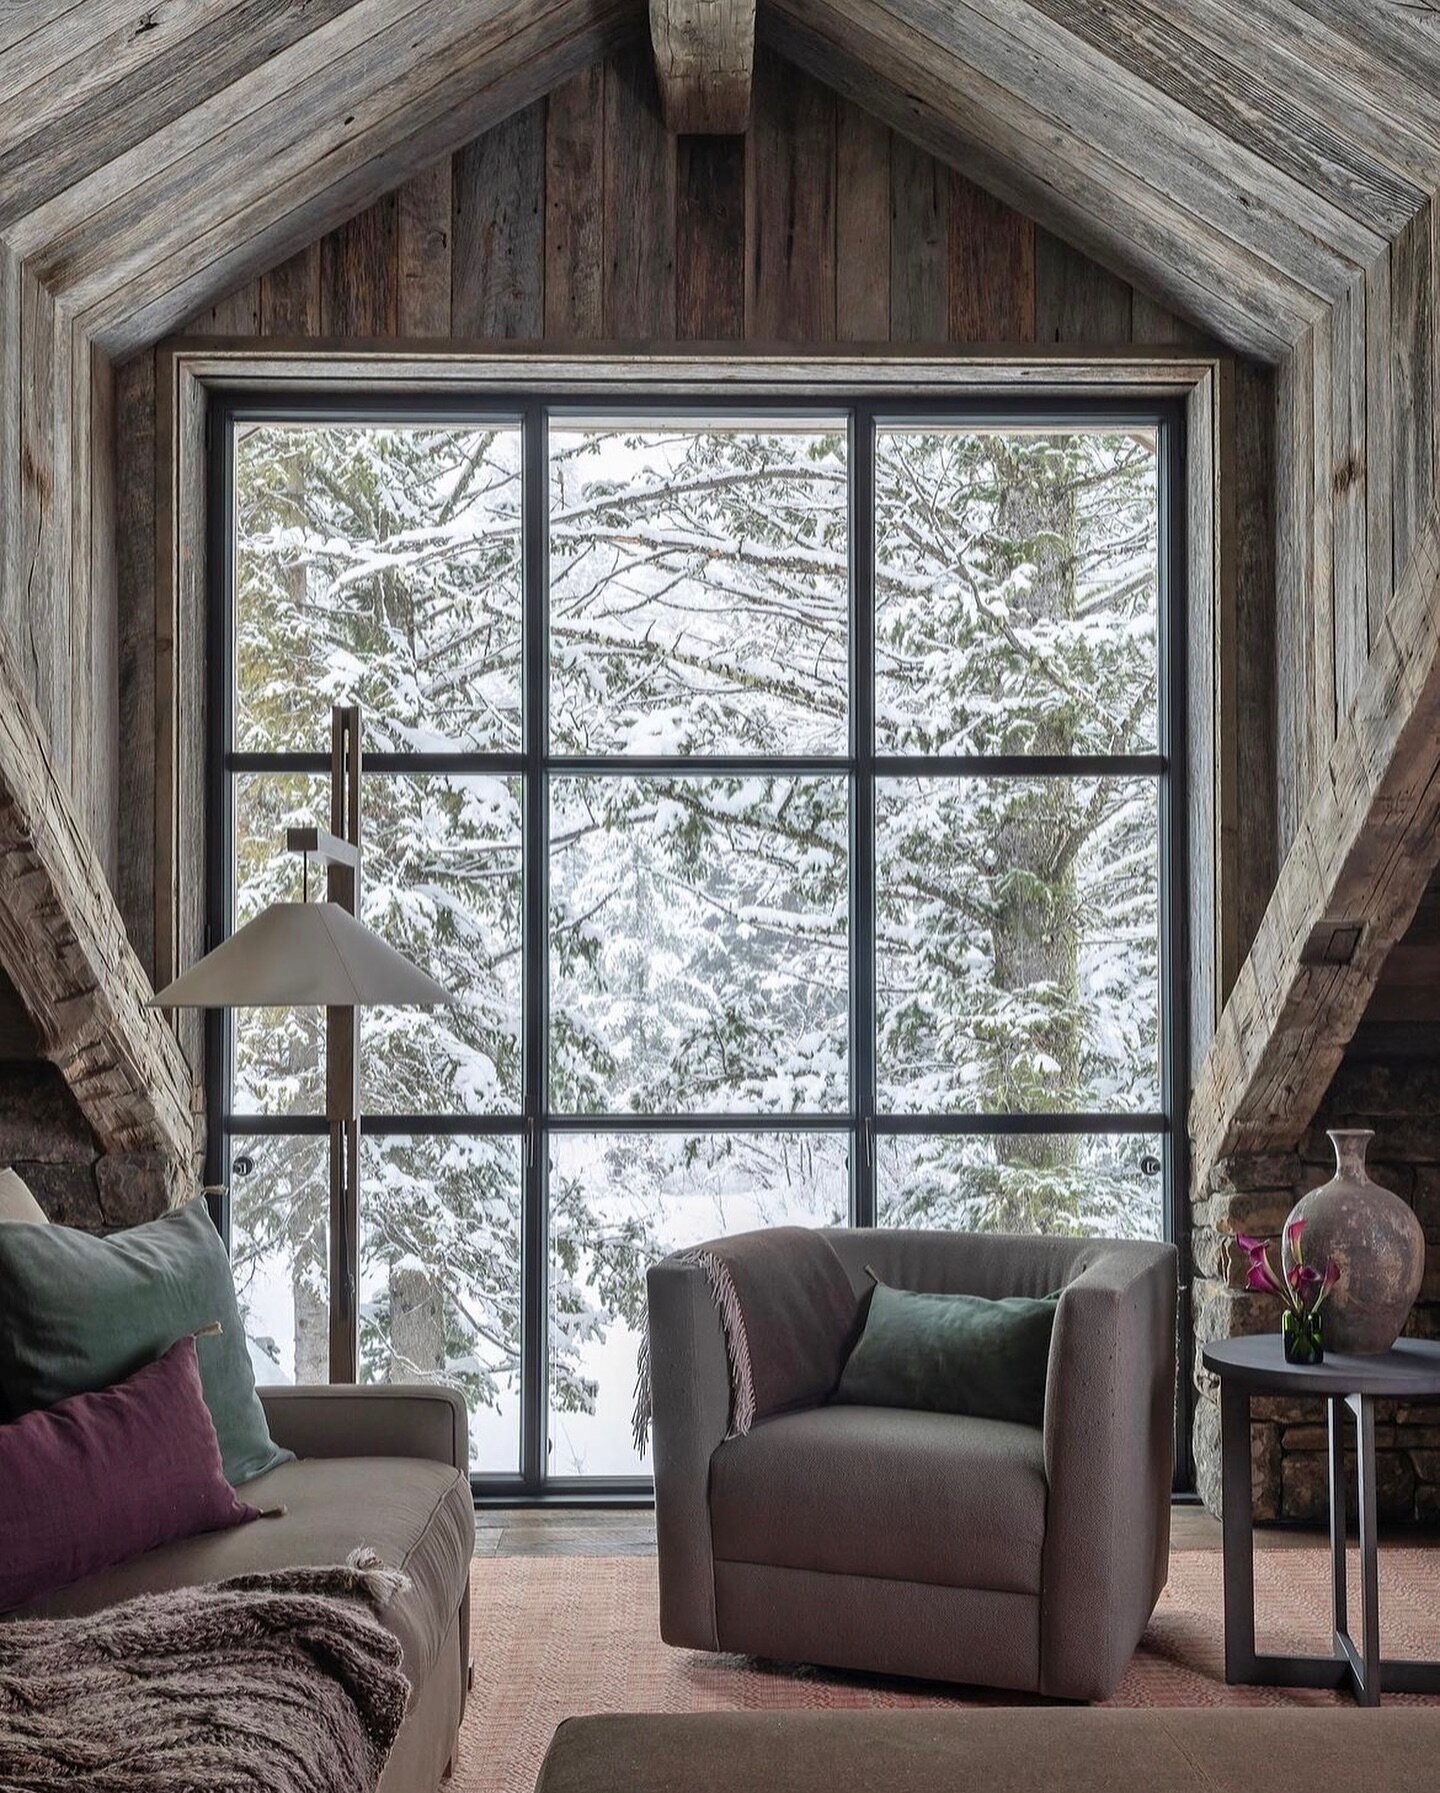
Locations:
column 862, row 813
column 220, row 844
column 863, row 766
column 1174, row 903
column 534, row 1244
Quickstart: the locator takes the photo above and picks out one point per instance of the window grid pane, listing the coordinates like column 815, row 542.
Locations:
column 700, row 924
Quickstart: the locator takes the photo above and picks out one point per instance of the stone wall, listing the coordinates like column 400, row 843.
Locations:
column 45, row 1137
column 1400, row 1100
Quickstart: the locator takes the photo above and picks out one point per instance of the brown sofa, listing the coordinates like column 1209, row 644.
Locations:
column 926, row 1544
column 385, row 1466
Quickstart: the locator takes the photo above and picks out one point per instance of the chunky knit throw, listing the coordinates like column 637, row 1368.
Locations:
column 787, row 1313
column 283, row 1681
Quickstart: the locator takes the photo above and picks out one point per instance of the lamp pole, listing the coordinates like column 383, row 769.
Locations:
column 342, row 1060
column 321, row 955
column 339, row 852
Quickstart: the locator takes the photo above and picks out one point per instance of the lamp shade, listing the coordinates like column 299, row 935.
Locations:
column 302, row 955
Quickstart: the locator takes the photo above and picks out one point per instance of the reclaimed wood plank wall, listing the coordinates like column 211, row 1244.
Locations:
column 1357, row 448
column 58, row 602
column 581, row 218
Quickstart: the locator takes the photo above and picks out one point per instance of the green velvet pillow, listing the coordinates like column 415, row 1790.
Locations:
column 952, row 1354
column 80, row 1313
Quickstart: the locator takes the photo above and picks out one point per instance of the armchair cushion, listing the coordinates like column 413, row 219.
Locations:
column 952, row 1354
column 938, row 1498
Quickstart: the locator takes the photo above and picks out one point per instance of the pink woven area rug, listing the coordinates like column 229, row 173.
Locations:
column 557, row 1636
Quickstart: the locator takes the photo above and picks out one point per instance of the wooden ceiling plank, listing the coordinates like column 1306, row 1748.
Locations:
column 12, row 534
column 1412, row 369
column 1094, row 100
column 419, row 64
column 1365, row 852
column 22, row 19
column 1243, row 107
column 705, row 64
column 1326, row 77
column 1081, row 197
column 1403, row 33
column 60, row 223
column 276, row 222
column 132, row 84
column 53, row 35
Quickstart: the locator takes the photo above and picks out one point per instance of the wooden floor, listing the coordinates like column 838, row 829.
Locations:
column 564, row 1531
column 630, row 1531
column 626, row 1531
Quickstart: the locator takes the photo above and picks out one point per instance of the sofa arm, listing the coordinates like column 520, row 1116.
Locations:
column 378, row 1419
column 1109, row 1460
column 690, row 1395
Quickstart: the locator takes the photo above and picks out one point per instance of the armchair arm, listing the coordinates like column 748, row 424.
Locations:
column 1109, row 1461
column 371, row 1420
column 690, row 1394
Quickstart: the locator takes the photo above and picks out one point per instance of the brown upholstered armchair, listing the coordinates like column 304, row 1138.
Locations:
column 906, row 1543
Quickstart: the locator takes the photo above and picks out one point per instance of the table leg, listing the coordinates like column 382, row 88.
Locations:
column 1368, row 1693
column 1239, row 1532
column 1339, row 1603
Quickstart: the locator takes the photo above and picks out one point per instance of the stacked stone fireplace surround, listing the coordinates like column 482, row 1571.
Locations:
column 47, row 1139
column 1400, row 1100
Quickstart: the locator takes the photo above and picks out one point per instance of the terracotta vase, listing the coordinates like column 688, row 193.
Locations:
column 1378, row 1243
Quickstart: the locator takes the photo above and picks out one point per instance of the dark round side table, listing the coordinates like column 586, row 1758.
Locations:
column 1257, row 1366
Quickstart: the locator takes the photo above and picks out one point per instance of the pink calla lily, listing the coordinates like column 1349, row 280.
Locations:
column 1262, row 1275
column 1327, row 1282
column 1302, row 1287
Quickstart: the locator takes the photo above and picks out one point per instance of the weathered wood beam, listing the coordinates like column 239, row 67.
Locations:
column 705, row 62
column 1366, row 846
column 63, row 947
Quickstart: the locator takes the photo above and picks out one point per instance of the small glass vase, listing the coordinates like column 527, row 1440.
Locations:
column 1303, row 1336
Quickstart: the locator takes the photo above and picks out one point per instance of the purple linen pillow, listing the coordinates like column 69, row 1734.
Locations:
column 100, row 1477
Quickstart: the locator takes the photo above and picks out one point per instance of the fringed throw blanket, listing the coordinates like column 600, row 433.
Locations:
column 789, row 1316
column 280, row 1681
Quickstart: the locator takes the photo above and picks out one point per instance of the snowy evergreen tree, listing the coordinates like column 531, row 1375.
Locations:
column 699, row 923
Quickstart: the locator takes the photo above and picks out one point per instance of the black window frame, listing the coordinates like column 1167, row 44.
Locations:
column 535, row 1124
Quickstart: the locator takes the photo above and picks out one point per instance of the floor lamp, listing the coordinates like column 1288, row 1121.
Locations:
column 320, row 955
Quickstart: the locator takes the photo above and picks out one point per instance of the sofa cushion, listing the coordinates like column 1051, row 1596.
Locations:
column 16, row 1201
column 78, row 1313
column 911, row 1496
column 417, row 1515
column 98, row 1477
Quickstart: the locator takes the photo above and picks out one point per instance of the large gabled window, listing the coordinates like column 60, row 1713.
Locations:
column 786, row 793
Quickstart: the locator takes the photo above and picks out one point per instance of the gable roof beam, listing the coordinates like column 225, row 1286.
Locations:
column 705, row 64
